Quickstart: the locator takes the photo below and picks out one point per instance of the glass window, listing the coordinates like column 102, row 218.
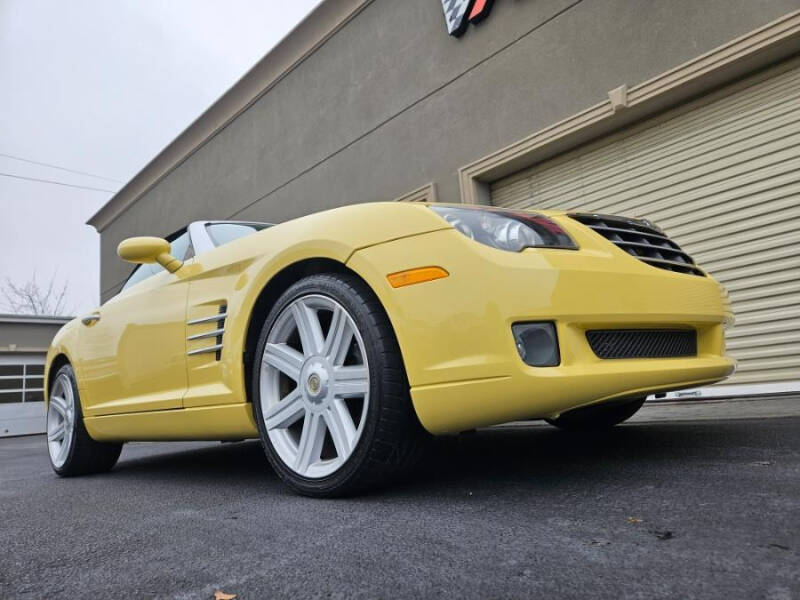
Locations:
column 34, row 396
column 11, row 384
column 179, row 247
column 222, row 233
column 140, row 273
column 35, row 382
column 7, row 397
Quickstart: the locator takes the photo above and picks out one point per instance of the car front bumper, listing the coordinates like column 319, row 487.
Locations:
column 455, row 333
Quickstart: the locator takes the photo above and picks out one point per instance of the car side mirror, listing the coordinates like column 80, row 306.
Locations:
column 147, row 250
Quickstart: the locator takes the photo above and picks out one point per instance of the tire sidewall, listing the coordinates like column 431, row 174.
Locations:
column 346, row 291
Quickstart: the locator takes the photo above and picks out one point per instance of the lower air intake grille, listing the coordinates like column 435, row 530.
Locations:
column 643, row 343
column 641, row 239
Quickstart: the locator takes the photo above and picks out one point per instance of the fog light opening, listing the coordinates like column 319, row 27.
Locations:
column 537, row 343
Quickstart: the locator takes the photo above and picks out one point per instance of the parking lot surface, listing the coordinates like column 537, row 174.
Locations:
column 661, row 509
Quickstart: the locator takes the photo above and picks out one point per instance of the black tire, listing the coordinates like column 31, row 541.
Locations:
column 392, row 439
column 85, row 456
column 597, row 417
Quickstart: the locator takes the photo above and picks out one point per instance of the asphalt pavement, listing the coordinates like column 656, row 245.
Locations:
column 661, row 508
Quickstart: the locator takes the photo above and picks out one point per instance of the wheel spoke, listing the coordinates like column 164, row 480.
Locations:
column 349, row 382
column 341, row 427
column 57, row 433
column 60, row 405
column 311, row 439
column 305, row 317
column 286, row 412
column 63, row 450
column 284, row 358
column 339, row 337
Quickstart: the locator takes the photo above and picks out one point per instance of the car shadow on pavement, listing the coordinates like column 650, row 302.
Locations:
column 540, row 456
column 231, row 464
column 534, row 457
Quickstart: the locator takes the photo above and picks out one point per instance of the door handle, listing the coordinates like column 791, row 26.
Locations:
column 90, row 320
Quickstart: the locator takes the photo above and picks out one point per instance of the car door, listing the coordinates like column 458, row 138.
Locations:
column 132, row 350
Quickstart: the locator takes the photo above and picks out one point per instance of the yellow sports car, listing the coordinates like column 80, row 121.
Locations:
column 339, row 339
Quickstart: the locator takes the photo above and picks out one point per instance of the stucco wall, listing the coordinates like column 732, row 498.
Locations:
column 391, row 102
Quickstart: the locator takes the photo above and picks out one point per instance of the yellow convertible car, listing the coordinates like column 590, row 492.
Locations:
column 343, row 338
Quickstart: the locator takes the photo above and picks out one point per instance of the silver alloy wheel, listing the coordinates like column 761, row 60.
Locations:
column 60, row 420
column 314, row 385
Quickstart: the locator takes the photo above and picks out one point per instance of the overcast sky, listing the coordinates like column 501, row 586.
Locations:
column 102, row 87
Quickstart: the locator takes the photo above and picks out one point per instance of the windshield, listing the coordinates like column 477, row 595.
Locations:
column 222, row 233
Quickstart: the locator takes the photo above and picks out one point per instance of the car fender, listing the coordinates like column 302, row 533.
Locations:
column 65, row 343
column 248, row 265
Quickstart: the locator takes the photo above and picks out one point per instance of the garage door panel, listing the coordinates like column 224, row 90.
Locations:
column 778, row 340
column 693, row 140
column 726, row 275
column 723, row 179
column 752, row 104
column 766, row 364
column 767, row 302
column 773, row 229
column 776, row 97
column 705, row 163
column 764, row 280
column 738, row 215
column 745, row 251
column 681, row 204
column 779, row 313
column 779, row 289
column 752, row 353
column 697, row 179
column 681, row 200
column 744, row 125
column 767, row 375
column 633, row 171
column 744, row 330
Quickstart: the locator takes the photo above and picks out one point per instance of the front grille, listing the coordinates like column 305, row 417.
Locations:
column 643, row 343
column 641, row 239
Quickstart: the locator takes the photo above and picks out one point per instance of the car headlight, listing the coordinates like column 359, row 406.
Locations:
column 505, row 229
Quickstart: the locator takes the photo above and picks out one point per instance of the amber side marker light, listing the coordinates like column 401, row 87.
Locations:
column 418, row 275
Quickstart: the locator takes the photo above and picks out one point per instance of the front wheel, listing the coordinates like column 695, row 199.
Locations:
column 330, row 393
column 598, row 416
column 72, row 451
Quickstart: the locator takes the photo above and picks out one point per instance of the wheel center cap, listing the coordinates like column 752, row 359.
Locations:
column 316, row 380
column 314, row 384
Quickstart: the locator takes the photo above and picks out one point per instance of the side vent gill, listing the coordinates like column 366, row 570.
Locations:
column 214, row 335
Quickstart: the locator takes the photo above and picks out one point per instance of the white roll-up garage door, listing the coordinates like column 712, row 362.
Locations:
column 723, row 180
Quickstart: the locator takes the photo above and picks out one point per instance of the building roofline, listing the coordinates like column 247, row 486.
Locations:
column 321, row 24
column 46, row 319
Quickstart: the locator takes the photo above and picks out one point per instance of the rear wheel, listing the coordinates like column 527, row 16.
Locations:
column 72, row 451
column 598, row 416
column 331, row 397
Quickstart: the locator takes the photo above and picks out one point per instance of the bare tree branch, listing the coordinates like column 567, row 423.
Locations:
column 30, row 298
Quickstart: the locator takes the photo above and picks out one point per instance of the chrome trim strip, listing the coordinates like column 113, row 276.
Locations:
column 219, row 317
column 208, row 334
column 207, row 350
